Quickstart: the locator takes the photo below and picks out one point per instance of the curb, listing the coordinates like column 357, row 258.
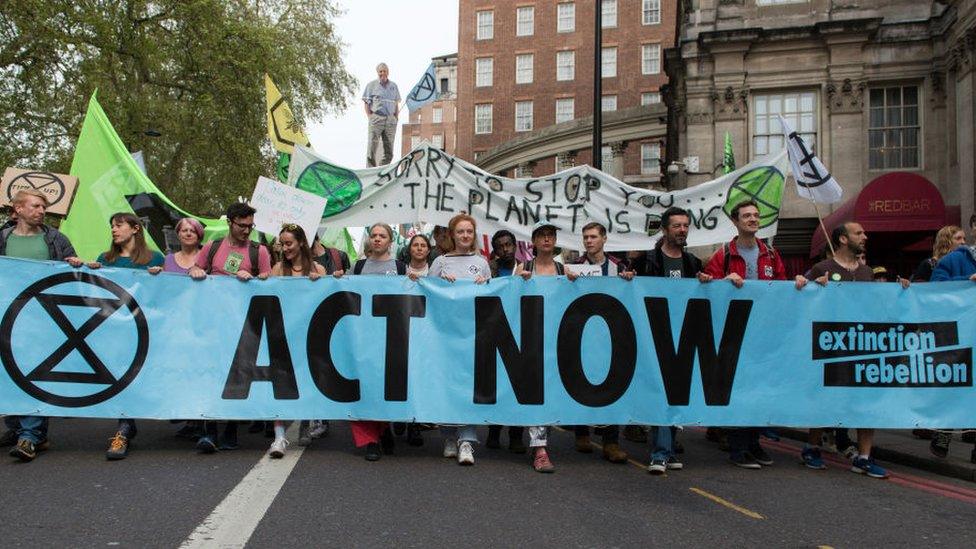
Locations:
column 931, row 465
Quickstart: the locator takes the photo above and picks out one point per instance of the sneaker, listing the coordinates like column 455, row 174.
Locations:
column 613, row 453
column 373, row 452
column 745, row 460
column 635, row 433
column 24, row 450
column 760, row 455
column 674, row 464
column 9, row 438
column 867, row 466
column 465, row 453
column 304, row 435
column 940, row 444
column 318, row 428
column 450, row 448
column 516, row 446
column 278, row 447
column 541, row 462
column 657, row 467
column 118, row 447
column 810, row 457
column 206, row 445
column 583, row 444
column 414, row 438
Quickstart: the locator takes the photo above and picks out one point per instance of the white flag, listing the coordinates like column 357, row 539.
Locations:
column 813, row 181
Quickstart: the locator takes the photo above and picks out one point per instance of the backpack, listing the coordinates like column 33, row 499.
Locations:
column 252, row 253
column 401, row 267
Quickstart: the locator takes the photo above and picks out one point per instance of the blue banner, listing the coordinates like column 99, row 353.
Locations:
column 121, row 343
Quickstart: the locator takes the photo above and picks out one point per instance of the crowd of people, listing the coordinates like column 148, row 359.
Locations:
column 454, row 255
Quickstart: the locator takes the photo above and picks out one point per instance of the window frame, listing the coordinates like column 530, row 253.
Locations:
column 648, row 9
column 519, row 70
column 603, row 14
column 770, row 135
column 530, row 22
column 490, row 34
column 490, row 118
column 603, row 61
column 650, row 47
column 478, row 62
column 572, row 65
column 605, row 98
column 646, row 147
column 901, row 129
column 572, row 102
column 559, row 17
column 530, row 116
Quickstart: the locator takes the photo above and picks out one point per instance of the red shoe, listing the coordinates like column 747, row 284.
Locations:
column 541, row 463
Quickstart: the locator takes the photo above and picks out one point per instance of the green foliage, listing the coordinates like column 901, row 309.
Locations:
column 191, row 70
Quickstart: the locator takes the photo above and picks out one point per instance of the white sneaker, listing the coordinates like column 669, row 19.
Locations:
column 450, row 448
column 465, row 454
column 318, row 428
column 278, row 448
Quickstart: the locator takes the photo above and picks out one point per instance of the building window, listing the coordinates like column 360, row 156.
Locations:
column 565, row 65
column 650, row 158
column 606, row 159
column 565, row 110
column 414, row 141
column 519, row 172
column 486, row 25
column 445, row 86
column 565, row 17
column 482, row 118
column 478, row 154
column 525, row 21
column 523, row 68
column 799, row 109
column 560, row 165
column 608, row 14
column 437, row 115
column 608, row 66
column 649, row 98
column 651, row 12
column 608, row 103
column 523, row 116
column 484, row 67
column 893, row 128
column 650, row 58
column 437, row 140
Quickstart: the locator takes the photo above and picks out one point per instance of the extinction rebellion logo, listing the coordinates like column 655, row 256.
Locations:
column 876, row 354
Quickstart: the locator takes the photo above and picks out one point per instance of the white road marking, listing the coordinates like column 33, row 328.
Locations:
column 233, row 521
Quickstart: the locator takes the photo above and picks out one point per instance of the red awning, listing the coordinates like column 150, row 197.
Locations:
column 896, row 201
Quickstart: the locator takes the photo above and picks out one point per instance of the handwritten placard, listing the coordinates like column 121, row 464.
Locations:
column 584, row 269
column 277, row 204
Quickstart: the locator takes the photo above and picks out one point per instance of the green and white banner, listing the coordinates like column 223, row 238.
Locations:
column 433, row 186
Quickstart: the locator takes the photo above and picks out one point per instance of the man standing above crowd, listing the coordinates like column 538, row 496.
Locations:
column 382, row 102
column 746, row 258
column 670, row 260
column 849, row 241
column 30, row 238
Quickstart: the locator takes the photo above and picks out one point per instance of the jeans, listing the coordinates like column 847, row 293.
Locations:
column 382, row 130
column 463, row 433
column 743, row 439
column 662, row 443
column 32, row 428
column 128, row 428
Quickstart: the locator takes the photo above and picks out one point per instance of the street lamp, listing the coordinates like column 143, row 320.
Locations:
column 597, row 161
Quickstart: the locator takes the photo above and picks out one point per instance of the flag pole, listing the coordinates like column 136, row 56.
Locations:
column 822, row 227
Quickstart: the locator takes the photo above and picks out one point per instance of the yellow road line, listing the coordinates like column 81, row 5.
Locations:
column 727, row 503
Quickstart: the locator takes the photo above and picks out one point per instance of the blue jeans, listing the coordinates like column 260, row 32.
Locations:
column 662, row 443
column 128, row 428
column 463, row 433
column 30, row 428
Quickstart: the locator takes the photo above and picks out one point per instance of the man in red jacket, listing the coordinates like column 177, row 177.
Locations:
column 746, row 258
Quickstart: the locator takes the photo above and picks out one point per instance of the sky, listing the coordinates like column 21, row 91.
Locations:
column 403, row 34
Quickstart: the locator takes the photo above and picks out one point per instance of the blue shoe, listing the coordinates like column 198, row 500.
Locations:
column 206, row 445
column 867, row 466
column 811, row 458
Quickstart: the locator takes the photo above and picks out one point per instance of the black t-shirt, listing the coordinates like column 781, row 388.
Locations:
column 671, row 267
column 838, row 273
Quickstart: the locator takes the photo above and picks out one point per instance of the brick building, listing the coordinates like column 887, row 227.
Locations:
column 436, row 122
column 525, row 84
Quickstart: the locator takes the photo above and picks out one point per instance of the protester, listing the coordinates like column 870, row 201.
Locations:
column 502, row 263
column 746, row 257
column 543, row 264
column 947, row 239
column 128, row 251
column 442, row 242
column 418, row 251
column 594, row 239
column 376, row 435
column 669, row 259
column 235, row 255
column 382, row 101
column 849, row 240
column 29, row 238
column 461, row 261
column 296, row 260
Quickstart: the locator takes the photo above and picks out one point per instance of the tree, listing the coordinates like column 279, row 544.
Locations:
column 190, row 71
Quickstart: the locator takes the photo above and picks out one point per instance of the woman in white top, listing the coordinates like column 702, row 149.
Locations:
column 462, row 261
column 418, row 252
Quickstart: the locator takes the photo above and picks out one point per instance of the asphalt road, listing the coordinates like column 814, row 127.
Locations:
column 71, row 497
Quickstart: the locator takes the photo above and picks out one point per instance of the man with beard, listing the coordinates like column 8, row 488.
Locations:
column 849, row 242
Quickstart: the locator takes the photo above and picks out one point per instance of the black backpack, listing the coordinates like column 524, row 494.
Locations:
column 252, row 253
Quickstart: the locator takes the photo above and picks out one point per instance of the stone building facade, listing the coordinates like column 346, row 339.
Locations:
column 436, row 122
column 882, row 89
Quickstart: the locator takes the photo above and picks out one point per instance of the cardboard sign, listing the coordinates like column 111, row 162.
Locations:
column 277, row 204
column 59, row 188
column 584, row 269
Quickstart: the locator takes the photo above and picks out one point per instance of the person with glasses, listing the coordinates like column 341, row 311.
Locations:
column 235, row 255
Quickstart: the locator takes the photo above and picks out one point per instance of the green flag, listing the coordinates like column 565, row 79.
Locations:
column 728, row 159
column 110, row 181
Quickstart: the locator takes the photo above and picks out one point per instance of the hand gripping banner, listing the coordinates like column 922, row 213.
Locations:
column 121, row 343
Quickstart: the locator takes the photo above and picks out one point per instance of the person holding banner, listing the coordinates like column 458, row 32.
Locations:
column 746, row 257
column 371, row 434
column 30, row 238
column 381, row 99
column 462, row 261
column 128, row 251
column 418, row 250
